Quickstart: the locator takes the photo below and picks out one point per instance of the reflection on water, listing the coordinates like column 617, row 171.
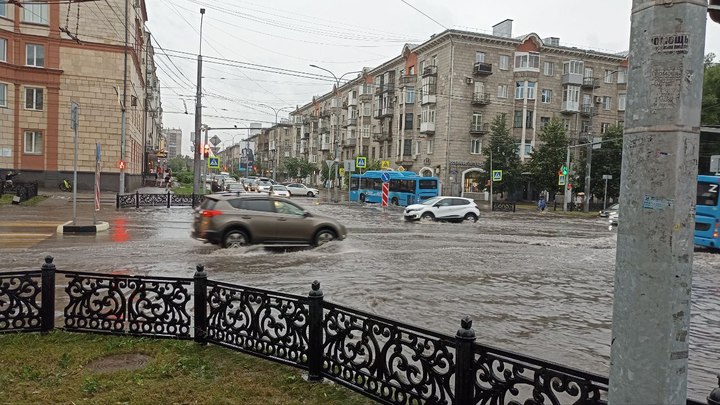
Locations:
column 118, row 230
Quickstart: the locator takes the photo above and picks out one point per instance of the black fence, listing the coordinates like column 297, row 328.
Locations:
column 168, row 200
column 25, row 190
column 503, row 206
column 388, row 361
column 594, row 207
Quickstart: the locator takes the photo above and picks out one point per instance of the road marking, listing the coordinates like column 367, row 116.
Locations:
column 26, row 234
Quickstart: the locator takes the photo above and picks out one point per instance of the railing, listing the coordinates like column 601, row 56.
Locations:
column 168, row 200
column 388, row 361
column 503, row 206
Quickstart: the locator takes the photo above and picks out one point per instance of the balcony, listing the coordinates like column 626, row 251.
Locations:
column 569, row 107
column 306, row 135
column 590, row 83
column 429, row 71
column 365, row 97
column 385, row 87
column 574, row 79
column 480, row 128
column 349, row 143
column 384, row 135
column 351, row 122
column 430, row 98
column 384, row 112
column 409, row 79
column 325, row 145
column 427, row 127
column 587, row 110
column 482, row 69
column 352, row 101
column 481, row 99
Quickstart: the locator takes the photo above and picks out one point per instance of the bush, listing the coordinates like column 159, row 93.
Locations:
column 184, row 177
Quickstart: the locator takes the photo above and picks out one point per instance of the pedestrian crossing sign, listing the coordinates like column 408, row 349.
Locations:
column 361, row 162
column 561, row 180
column 497, row 175
column 385, row 164
column 214, row 163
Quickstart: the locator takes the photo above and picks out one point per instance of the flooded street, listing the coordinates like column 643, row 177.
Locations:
column 540, row 285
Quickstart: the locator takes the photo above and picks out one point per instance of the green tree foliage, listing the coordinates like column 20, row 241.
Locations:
column 606, row 160
column 298, row 168
column 711, row 93
column 549, row 157
column 503, row 149
column 179, row 164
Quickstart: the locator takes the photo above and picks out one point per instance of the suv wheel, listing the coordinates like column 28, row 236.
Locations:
column 362, row 197
column 427, row 216
column 310, row 194
column 324, row 236
column 394, row 201
column 235, row 239
column 470, row 217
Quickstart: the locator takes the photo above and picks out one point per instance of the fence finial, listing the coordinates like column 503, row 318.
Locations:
column 466, row 331
column 315, row 291
column 200, row 271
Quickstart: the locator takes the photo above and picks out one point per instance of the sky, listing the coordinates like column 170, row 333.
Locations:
column 245, row 42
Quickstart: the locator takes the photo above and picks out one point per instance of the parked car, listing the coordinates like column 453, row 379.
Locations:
column 280, row 191
column 235, row 221
column 606, row 213
column 301, row 189
column 454, row 209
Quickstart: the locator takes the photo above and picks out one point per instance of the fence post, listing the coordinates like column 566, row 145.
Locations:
column 47, row 296
column 200, row 304
column 464, row 376
column 513, row 207
column 168, row 199
column 137, row 199
column 315, row 338
column 117, row 201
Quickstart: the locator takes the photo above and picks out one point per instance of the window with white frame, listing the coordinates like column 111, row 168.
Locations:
column 476, row 146
column 519, row 90
column 33, row 98
column 566, row 123
column 529, row 119
column 546, row 96
column 433, row 60
column 604, row 127
column 574, row 66
column 36, row 13
column 607, row 102
column 409, row 95
column 3, row 10
column 34, row 55
column 548, row 68
column 428, row 113
column 609, row 75
column 33, row 142
column 502, row 91
column 430, row 145
column 504, row 63
column 3, row 50
column 422, row 66
column 418, row 145
column 531, row 90
column 527, row 61
column 477, row 121
column 524, row 150
column 622, row 75
column 518, row 119
column 544, row 121
column 3, row 94
column 622, row 99
column 479, row 57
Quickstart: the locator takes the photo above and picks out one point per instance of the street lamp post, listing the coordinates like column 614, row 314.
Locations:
column 198, row 116
column 276, row 111
column 337, row 124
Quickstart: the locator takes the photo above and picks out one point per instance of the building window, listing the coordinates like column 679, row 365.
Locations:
column 433, row 61
column 529, row 119
column 548, row 68
column 609, row 76
column 622, row 99
column 504, row 63
column 430, row 145
column 566, row 124
column 479, row 57
column 544, row 121
column 607, row 103
column 531, row 90
column 3, row 48
column 409, row 95
column 527, row 61
column 525, row 150
column 621, row 124
column 409, row 121
column 422, row 66
column 517, row 119
column 574, row 67
column 35, row 55
column 604, row 127
column 3, row 10
column 585, row 127
column 519, row 90
column 546, row 96
column 35, row 13
column 428, row 114
column 3, row 94
column 502, row 91
column 476, row 146
column 33, row 98
column 477, row 121
column 33, row 142
column 622, row 75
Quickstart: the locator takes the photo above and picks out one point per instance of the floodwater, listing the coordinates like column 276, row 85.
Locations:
column 541, row 285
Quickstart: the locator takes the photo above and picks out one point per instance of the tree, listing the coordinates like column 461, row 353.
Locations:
column 606, row 160
column 710, row 114
column 305, row 168
column 549, row 157
column 503, row 149
column 178, row 164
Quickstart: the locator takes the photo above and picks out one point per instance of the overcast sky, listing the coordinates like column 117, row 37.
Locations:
column 337, row 35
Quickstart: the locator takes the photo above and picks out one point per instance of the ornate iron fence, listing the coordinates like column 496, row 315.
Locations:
column 168, row 200
column 503, row 206
column 388, row 361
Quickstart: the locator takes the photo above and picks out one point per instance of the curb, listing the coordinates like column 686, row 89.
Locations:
column 67, row 227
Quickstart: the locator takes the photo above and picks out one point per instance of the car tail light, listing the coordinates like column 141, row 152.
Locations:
column 716, row 232
column 210, row 213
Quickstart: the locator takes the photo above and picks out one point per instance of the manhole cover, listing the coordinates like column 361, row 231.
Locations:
column 118, row 362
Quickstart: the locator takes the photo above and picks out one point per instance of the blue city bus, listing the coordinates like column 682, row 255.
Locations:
column 405, row 187
column 707, row 212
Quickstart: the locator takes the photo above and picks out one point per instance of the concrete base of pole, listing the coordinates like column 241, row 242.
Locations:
column 68, row 227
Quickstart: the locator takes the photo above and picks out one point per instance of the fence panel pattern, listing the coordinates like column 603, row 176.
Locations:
column 260, row 322
column 153, row 199
column 186, row 199
column 387, row 361
column 502, row 377
column 127, row 200
column 147, row 306
column 20, row 301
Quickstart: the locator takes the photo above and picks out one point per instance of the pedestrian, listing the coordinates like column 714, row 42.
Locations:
column 168, row 178
column 159, row 177
column 541, row 205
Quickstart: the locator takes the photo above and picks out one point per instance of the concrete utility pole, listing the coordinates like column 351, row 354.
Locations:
column 653, row 277
column 123, row 126
column 197, row 165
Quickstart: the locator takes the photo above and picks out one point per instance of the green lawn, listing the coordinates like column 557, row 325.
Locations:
column 6, row 199
column 67, row 368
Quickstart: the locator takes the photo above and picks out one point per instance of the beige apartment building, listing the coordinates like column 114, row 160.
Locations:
column 50, row 58
column 429, row 109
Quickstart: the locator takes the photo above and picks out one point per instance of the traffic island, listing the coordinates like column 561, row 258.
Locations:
column 68, row 227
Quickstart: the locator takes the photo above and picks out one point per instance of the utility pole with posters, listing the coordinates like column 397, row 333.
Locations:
column 653, row 276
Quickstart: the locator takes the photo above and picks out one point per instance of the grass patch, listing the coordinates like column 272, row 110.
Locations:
column 6, row 199
column 186, row 189
column 52, row 368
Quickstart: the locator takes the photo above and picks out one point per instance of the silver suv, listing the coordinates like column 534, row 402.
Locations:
column 235, row 221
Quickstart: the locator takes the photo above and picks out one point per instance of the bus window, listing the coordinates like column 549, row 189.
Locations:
column 707, row 193
column 428, row 184
column 363, row 183
column 376, row 184
column 354, row 183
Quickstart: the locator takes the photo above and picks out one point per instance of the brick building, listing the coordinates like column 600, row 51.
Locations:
column 49, row 58
column 429, row 109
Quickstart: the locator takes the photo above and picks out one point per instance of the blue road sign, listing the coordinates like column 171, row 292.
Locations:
column 214, row 163
column 497, row 175
column 385, row 177
column 360, row 162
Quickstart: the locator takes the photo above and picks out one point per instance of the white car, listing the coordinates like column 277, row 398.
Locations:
column 262, row 186
column 301, row 189
column 455, row 209
column 279, row 191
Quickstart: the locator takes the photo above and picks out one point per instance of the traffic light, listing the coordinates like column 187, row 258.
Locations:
column 564, row 170
column 121, row 165
column 569, row 186
column 206, row 150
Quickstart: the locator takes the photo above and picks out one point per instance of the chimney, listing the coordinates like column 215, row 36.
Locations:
column 503, row 29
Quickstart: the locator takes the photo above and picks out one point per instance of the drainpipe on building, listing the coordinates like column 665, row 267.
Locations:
column 450, row 96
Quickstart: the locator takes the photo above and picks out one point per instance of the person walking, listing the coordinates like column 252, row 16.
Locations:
column 168, row 178
column 541, row 205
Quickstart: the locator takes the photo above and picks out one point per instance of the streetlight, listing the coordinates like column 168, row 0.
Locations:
column 276, row 111
column 337, row 120
column 198, row 116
